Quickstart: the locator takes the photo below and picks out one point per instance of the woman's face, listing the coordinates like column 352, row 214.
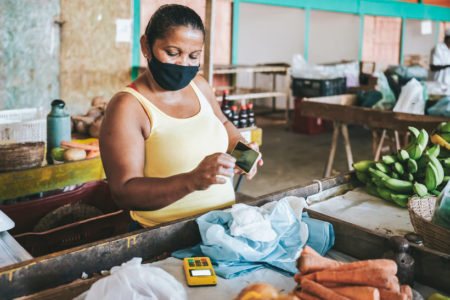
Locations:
column 182, row 45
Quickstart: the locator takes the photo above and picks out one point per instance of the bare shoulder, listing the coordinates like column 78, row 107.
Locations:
column 123, row 103
column 205, row 88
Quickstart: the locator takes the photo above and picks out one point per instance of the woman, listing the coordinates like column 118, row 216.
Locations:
column 164, row 140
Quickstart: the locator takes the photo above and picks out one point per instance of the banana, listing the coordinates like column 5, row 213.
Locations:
column 415, row 152
column 388, row 159
column 434, row 151
column 415, row 132
column 420, row 189
column 422, row 163
column 435, row 192
column 395, row 175
column 400, row 199
column 423, row 139
column 399, row 168
column 437, row 139
column 403, row 155
column 377, row 181
column 408, row 176
column 378, row 174
column 372, row 190
column 445, row 136
column 397, row 185
column 430, row 177
column 382, row 167
column 384, row 193
column 446, row 163
column 445, row 127
column 363, row 165
column 440, row 171
column 412, row 166
column 362, row 176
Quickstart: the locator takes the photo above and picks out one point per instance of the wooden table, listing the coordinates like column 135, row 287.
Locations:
column 57, row 275
column 342, row 110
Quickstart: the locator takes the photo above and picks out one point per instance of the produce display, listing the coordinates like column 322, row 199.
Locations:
column 420, row 168
column 324, row 278
column 75, row 150
column 90, row 123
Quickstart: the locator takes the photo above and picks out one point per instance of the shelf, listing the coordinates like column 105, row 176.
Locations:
column 230, row 69
column 248, row 93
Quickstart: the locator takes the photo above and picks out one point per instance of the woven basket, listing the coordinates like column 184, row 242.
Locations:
column 421, row 211
column 20, row 156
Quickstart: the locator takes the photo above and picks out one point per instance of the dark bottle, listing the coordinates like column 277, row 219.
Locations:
column 234, row 116
column 225, row 105
column 251, row 115
column 243, row 117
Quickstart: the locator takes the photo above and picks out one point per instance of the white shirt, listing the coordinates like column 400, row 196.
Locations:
column 440, row 56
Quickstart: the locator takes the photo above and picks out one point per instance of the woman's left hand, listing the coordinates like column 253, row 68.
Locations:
column 253, row 171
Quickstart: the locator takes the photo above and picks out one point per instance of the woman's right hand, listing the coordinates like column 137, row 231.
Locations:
column 210, row 170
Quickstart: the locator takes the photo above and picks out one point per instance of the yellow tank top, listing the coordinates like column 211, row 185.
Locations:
column 177, row 146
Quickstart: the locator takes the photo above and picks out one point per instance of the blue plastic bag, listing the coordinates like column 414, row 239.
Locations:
column 441, row 108
column 236, row 255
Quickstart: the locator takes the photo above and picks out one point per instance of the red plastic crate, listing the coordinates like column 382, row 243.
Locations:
column 26, row 215
column 306, row 125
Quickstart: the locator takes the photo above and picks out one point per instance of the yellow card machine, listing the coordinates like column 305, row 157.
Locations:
column 199, row 271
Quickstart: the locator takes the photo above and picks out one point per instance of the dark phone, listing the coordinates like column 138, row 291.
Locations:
column 245, row 156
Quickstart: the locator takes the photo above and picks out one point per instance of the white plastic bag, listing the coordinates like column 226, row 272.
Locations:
column 132, row 280
column 411, row 99
column 252, row 223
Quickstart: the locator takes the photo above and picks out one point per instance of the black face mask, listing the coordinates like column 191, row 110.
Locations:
column 171, row 77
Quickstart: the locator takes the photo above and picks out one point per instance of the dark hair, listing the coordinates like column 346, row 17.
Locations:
column 168, row 16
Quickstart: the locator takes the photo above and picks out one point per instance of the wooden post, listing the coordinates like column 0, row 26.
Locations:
column 380, row 145
column 209, row 40
column 348, row 148
column 330, row 162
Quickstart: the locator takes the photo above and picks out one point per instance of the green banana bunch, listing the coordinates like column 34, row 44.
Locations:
column 363, row 165
column 416, row 149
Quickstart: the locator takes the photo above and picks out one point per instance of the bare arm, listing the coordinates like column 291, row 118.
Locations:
column 122, row 146
column 435, row 68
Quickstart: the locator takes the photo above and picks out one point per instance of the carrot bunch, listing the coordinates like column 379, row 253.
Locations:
column 324, row 278
column 92, row 149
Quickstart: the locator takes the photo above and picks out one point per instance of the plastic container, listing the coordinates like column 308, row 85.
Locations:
column 26, row 215
column 23, row 125
column 442, row 211
column 305, row 125
column 304, row 87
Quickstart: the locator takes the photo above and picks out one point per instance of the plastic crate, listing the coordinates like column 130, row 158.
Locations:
column 23, row 125
column 26, row 215
column 303, row 87
column 306, row 125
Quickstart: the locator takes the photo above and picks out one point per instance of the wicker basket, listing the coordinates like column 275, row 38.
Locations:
column 21, row 156
column 421, row 210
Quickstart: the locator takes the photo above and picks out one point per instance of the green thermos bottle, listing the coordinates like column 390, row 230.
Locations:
column 58, row 127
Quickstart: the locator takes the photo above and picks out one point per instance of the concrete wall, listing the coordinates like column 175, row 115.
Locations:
column 29, row 52
column 415, row 42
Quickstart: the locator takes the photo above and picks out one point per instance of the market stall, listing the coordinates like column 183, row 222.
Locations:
column 59, row 273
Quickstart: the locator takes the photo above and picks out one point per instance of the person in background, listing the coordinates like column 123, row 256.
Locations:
column 440, row 60
column 164, row 141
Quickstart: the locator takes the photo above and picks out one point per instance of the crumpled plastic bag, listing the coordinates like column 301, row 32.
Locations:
column 411, row 99
column 388, row 100
column 132, row 280
column 237, row 255
column 252, row 223
column 441, row 108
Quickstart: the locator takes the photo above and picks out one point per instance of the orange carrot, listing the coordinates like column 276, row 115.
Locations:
column 316, row 289
column 309, row 250
column 371, row 277
column 305, row 296
column 92, row 154
column 406, row 290
column 68, row 145
column 389, row 295
column 387, row 264
column 311, row 263
column 394, row 285
column 358, row 292
column 332, row 284
column 298, row 277
column 94, row 143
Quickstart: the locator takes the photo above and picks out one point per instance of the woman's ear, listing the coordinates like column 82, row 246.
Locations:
column 145, row 48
